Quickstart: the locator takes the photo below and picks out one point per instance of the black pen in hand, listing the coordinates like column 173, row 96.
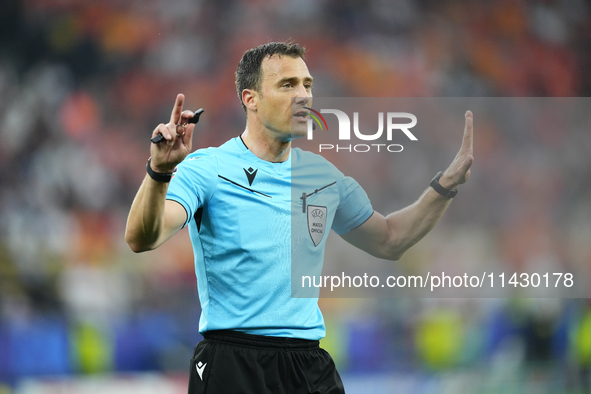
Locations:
column 194, row 120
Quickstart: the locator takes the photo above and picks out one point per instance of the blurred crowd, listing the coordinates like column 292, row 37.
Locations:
column 83, row 83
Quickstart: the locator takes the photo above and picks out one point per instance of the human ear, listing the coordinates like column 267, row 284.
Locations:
column 250, row 99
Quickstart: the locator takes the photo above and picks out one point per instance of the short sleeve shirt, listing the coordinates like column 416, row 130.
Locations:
column 249, row 220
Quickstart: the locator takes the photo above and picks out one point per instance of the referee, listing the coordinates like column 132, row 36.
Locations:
column 237, row 202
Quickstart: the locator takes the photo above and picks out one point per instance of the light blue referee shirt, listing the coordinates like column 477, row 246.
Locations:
column 248, row 220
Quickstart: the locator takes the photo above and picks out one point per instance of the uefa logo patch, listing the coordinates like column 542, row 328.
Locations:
column 316, row 222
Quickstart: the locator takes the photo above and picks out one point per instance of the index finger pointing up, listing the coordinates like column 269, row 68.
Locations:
column 175, row 116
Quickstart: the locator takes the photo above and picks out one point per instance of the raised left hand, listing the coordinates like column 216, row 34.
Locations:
column 458, row 171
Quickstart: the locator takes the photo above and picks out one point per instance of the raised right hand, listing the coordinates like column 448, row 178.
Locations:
column 177, row 143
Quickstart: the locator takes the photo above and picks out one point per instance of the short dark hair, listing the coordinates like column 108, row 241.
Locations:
column 248, row 74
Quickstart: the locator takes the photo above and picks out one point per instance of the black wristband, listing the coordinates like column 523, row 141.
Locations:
column 158, row 176
column 440, row 189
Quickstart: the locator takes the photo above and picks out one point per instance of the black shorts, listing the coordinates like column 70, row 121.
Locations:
column 229, row 362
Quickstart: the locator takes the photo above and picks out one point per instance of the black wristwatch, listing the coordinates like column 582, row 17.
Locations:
column 158, row 176
column 440, row 189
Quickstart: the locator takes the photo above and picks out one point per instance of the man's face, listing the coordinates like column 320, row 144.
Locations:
column 283, row 78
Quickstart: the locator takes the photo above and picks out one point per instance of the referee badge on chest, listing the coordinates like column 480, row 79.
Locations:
column 316, row 222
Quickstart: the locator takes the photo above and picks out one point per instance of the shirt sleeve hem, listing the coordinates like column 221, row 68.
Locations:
column 184, row 205
column 354, row 223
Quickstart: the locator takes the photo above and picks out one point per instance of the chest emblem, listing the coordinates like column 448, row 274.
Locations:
column 316, row 222
column 250, row 174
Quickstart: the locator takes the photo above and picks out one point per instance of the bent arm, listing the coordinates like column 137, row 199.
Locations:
column 389, row 237
column 152, row 219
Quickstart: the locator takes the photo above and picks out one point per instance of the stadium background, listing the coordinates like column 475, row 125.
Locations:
column 82, row 84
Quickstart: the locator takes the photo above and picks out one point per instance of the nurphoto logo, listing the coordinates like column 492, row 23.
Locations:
column 393, row 124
